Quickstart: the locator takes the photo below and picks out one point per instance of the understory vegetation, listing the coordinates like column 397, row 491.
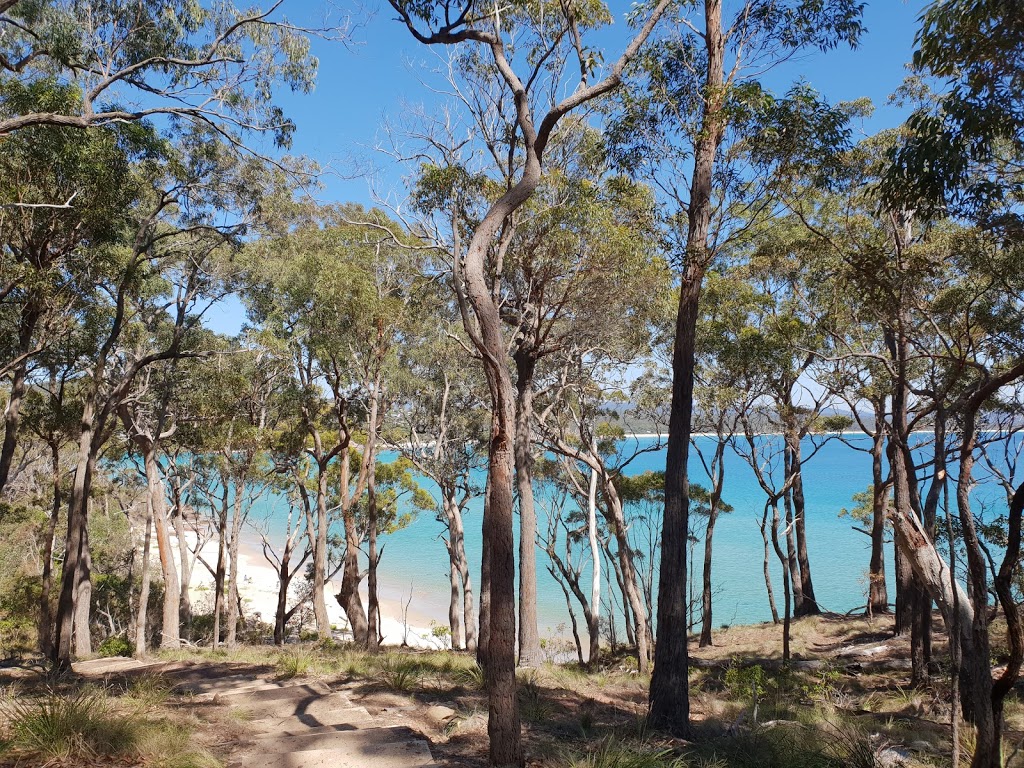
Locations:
column 222, row 385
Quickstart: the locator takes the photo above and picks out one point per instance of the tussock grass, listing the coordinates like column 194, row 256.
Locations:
column 58, row 725
column 292, row 664
column 613, row 753
column 93, row 726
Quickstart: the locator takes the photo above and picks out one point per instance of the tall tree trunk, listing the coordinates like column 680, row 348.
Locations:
column 323, row 622
column 631, row 591
column 284, row 580
column 348, row 597
column 83, row 599
column 593, row 617
column 808, row 605
column 373, row 598
column 220, row 575
column 484, row 637
column 705, row 598
column 75, row 543
column 30, row 315
column 170, row 635
column 669, row 694
column 45, row 631
column 141, row 617
column 765, row 567
column 787, row 584
column 529, row 637
column 878, row 595
column 185, row 599
column 792, row 564
column 462, row 563
column 237, row 518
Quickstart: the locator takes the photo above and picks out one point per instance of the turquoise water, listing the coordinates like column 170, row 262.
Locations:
column 415, row 557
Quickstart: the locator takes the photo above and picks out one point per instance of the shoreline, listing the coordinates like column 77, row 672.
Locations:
column 258, row 589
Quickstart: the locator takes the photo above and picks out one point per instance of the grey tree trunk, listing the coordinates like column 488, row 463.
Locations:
column 141, row 619
column 237, row 518
column 670, row 690
column 170, row 633
column 529, row 637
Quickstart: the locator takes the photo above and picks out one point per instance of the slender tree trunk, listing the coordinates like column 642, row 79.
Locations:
column 284, row 580
column 75, row 543
column 787, row 583
column 348, row 597
column 141, row 618
column 669, row 693
column 593, row 616
column 462, row 563
column 792, row 564
column 373, row 599
column 45, row 631
column 232, row 613
column 185, row 599
column 766, row 561
column 220, row 577
column 878, row 595
column 323, row 622
column 705, row 598
column 83, row 599
column 12, row 416
column 631, row 590
column 483, row 642
column 529, row 637
column 808, row 605
column 170, row 636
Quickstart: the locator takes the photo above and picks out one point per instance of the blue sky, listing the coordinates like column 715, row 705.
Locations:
column 383, row 70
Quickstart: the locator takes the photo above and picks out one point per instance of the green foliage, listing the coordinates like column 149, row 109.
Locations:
column 400, row 674
column 292, row 664
column 116, row 645
column 614, row 753
column 58, row 725
column 746, row 682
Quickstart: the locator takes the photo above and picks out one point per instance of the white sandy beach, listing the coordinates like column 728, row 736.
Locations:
column 258, row 586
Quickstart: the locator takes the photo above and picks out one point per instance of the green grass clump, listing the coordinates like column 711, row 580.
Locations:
column 56, row 726
column 291, row 665
column 399, row 674
column 612, row 753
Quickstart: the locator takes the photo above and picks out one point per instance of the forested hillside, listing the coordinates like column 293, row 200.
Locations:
column 597, row 235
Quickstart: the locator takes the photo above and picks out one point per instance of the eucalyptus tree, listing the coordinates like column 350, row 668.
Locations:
column 441, row 428
column 47, row 251
column 163, row 260
column 688, row 127
column 538, row 46
column 210, row 66
column 329, row 295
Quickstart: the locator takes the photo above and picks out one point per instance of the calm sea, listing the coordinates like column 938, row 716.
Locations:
column 415, row 561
